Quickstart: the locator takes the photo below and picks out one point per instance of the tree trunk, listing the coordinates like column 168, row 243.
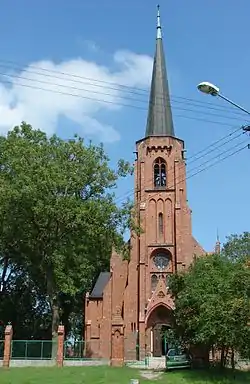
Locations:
column 67, row 309
column 226, row 356
column 213, row 354
column 222, row 357
column 232, row 359
column 4, row 273
column 55, row 324
column 55, row 311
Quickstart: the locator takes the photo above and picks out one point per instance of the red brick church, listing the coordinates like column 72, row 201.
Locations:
column 130, row 305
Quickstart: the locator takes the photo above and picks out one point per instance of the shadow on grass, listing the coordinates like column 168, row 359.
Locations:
column 215, row 375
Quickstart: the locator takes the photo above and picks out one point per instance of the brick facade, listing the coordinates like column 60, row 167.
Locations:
column 137, row 290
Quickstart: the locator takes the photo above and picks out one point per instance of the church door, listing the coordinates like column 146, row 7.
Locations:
column 157, row 341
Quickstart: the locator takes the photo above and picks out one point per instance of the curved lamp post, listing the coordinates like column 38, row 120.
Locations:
column 213, row 90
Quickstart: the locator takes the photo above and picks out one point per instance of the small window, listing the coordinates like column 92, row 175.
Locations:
column 160, row 179
column 160, row 223
column 154, row 281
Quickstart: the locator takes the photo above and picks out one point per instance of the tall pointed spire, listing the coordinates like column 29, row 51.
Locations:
column 217, row 244
column 160, row 121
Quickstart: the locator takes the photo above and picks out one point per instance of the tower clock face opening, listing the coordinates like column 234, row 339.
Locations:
column 161, row 261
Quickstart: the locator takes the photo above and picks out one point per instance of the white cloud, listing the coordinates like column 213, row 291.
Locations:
column 42, row 108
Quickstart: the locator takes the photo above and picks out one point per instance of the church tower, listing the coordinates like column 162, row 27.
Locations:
column 166, row 244
column 134, row 303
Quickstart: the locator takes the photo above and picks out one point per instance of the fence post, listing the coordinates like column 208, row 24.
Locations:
column 7, row 346
column 60, row 346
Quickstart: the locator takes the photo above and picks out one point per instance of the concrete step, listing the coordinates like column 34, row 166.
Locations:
column 156, row 362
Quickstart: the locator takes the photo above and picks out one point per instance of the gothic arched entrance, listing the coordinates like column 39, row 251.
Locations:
column 159, row 320
column 159, row 340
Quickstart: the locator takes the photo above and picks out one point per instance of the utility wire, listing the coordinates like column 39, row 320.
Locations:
column 207, row 150
column 133, row 106
column 76, row 88
column 166, row 101
column 109, row 102
column 209, row 166
column 215, row 142
column 129, row 89
column 217, row 146
column 219, row 161
column 222, row 153
column 94, row 82
column 131, row 191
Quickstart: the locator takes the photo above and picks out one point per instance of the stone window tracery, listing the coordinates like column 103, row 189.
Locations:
column 161, row 260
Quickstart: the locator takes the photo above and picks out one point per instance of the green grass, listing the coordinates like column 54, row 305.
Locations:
column 109, row 375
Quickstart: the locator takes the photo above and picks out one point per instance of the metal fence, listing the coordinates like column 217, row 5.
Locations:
column 32, row 349
column 75, row 350
column 1, row 349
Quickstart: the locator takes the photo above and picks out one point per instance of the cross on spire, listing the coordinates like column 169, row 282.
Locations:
column 159, row 34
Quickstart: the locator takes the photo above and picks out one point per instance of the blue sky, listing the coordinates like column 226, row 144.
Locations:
column 203, row 41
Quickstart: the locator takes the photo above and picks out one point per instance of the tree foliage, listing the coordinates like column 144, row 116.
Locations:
column 59, row 216
column 212, row 299
column 237, row 247
column 22, row 303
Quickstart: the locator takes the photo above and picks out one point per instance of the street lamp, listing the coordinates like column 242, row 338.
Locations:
column 213, row 90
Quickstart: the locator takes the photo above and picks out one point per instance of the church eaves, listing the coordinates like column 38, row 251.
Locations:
column 160, row 121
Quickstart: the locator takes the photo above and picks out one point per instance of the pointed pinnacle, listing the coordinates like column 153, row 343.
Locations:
column 159, row 34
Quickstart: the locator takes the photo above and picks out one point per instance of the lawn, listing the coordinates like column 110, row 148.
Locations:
column 108, row 375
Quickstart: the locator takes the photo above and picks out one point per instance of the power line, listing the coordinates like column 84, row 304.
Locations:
column 219, row 161
column 112, row 95
column 211, row 165
column 207, row 161
column 132, row 91
column 26, row 85
column 218, row 146
column 216, row 142
column 108, row 102
column 131, row 191
column 116, row 89
column 94, row 82
column 85, row 97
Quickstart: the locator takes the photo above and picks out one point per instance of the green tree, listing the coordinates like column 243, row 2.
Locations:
column 59, row 220
column 22, row 304
column 237, row 247
column 212, row 304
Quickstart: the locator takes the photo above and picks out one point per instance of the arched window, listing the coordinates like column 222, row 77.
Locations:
column 154, row 281
column 160, row 223
column 160, row 173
